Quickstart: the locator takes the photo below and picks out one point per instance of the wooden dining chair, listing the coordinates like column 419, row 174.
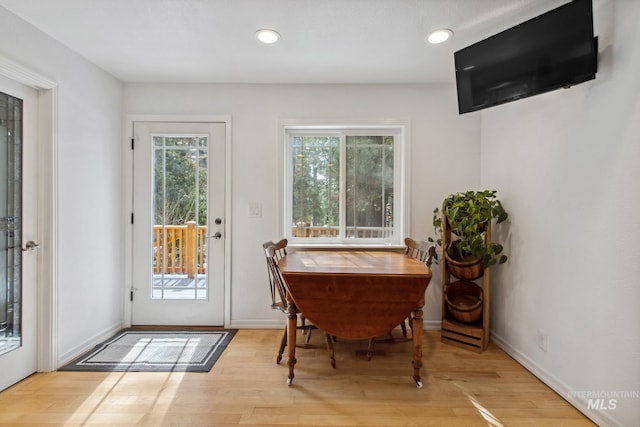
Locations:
column 274, row 252
column 280, row 250
column 414, row 250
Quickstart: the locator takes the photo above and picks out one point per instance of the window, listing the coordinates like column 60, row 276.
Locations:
column 344, row 185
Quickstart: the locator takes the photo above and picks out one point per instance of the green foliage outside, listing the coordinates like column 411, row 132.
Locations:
column 368, row 181
column 180, row 180
column 316, row 181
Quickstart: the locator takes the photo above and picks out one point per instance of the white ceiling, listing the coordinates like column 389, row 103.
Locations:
column 323, row 41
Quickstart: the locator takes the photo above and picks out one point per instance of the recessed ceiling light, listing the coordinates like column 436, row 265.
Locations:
column 439, row 36
column 267, row 36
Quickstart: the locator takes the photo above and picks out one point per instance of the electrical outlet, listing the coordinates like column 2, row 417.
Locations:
column 542, row 340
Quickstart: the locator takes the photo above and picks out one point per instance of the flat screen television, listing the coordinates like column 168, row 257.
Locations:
column 554, row 50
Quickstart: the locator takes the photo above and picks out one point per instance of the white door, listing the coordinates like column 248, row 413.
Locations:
column 178, row 223
column 18, row 225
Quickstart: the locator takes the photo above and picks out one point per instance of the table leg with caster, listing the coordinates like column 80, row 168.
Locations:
column 417, row 344
column 292, row 323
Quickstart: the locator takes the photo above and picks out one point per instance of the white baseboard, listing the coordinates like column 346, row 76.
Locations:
column 88, row 344
column 563, row 390
column 258, row 324
column 432, row 325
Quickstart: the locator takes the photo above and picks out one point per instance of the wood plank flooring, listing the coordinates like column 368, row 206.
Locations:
column 246, row 387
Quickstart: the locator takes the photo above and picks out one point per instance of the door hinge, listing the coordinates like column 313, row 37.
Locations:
column 131, row 217
column 133, row 143
column 131, row 295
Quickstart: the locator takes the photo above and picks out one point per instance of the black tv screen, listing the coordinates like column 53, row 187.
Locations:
column 554, row 50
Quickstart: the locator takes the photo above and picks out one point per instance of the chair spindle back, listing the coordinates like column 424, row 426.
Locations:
column 274, row 252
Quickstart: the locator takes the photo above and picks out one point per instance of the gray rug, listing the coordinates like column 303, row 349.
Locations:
column 155, row 351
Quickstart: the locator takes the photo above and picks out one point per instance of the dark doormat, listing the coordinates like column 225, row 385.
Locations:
column 155, row 351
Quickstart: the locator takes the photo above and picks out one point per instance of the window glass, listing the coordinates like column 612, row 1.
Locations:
column 342, row 185
column 369, row 186
column 316, row 186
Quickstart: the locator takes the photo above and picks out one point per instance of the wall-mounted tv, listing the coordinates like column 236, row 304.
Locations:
column 554, row 50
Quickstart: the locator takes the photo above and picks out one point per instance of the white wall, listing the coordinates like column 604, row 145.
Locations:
column 436, row 132
column 566, row 167
column 90, row 217
column 564, row 163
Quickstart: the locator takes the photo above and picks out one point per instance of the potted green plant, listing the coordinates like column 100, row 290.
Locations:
column 468, row 215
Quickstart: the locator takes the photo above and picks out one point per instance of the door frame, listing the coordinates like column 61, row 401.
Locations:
column 128, row 201
column 47, row 216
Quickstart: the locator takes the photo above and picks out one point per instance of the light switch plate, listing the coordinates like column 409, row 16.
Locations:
column 255, row 210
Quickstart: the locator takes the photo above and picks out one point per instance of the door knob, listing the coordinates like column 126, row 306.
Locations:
column 218, row 235
column 30, row 246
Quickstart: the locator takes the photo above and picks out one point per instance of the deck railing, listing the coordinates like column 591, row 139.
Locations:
column 179, row 249
column 352, row 232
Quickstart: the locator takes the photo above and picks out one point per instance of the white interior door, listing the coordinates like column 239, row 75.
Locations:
column 18, row 225
column 178, row 223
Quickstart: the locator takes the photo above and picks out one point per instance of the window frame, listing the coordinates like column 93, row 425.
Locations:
column 398, row 128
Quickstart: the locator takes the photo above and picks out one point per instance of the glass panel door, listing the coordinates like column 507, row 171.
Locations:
column 19, row 261
column 10, row 222
column 180, row 216
column 178, row 245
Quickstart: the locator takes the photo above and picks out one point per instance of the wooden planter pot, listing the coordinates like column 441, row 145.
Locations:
column 468, row 268
column 464, row 301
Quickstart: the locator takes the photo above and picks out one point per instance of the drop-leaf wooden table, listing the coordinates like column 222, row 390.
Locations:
column 355, row 294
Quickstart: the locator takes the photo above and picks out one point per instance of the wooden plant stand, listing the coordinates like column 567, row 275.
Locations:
column 472, row 336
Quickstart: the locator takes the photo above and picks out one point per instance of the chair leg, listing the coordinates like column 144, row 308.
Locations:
column 403, row 326
column 283, row 344
column 372, row 343
column 332, row 354
column 308, row 332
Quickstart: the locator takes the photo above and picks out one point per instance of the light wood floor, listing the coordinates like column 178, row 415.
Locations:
column 461, row 388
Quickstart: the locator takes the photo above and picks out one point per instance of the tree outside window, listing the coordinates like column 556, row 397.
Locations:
column 342, row 184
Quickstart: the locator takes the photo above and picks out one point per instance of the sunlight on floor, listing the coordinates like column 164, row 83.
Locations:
column 163, row 350
column 100, row 403
column 484, row 412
